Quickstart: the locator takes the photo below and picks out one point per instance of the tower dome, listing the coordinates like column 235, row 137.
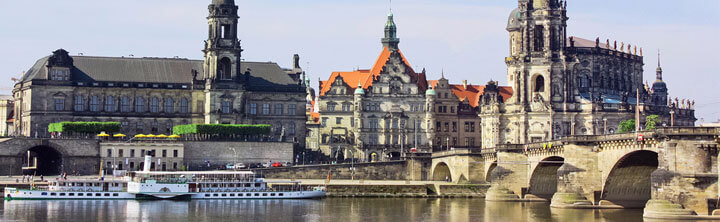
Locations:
column 430, row 92
column 359, row 90
column 514, row 20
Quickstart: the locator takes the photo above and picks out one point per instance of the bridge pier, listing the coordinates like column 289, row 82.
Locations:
column 510, row 177
column 685, row 184
column 579, row 180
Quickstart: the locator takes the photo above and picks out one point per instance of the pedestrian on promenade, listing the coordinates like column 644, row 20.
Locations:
column 42, row 179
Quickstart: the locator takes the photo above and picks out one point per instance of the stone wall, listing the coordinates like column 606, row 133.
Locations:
column 78, row 156
column 394, row 170
column 222, row 153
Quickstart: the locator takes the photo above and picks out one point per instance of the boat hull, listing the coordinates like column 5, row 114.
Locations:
column 62, row 195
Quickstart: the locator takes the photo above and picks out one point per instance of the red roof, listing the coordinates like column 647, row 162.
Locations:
column 472, row 93
column 366, row 76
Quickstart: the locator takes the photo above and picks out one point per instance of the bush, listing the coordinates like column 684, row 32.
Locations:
column 222, row 129
column 84, row 127
column 627, row 126
column 651, row 122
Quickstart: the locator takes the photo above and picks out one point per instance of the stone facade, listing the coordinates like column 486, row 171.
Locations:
column 151, row 95
column 565, row 86
column 6, row 116
column 131, row 156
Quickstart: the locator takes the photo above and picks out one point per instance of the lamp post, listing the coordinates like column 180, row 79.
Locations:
column 672, row 117
column 234, row 158
column 605, row 125
column 447, row 143
column 352, row 164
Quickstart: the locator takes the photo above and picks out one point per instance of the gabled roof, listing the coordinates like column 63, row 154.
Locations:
column 365, row 77
column 472, row 93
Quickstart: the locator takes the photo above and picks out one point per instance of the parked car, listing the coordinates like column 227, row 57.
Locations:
column 277, row 164
column 240, row 166
column 256, row 165
column 230, row 166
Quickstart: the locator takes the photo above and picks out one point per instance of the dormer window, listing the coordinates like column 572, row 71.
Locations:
column 59, row 74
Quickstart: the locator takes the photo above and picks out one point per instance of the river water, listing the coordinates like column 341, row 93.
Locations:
column 330, row 209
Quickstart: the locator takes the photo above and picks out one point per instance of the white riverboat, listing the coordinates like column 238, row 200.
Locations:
column 214, row 185
column 72, row 189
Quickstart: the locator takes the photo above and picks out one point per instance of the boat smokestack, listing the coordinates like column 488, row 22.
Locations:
column 148, row 161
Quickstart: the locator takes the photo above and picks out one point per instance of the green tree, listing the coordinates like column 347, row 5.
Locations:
column 627, row 126
column 651, row 122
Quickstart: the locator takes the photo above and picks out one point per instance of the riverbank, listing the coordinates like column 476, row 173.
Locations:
column 395, row 188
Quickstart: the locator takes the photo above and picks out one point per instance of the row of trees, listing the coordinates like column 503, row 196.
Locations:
column 628, row 126
column 222, row 131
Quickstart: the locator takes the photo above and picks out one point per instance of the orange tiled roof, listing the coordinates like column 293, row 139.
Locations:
column 472, row 93
column 366, row 76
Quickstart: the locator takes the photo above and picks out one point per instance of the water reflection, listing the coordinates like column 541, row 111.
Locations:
column 331, row 209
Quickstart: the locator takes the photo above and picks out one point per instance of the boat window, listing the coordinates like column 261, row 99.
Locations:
column 71, row 194
column 97, row 194
column 207, row 195
column 240, row 195
column 115, row 195
column 257, row 194
column 44, row 193
column 62, row 194
column 264, row 194
column 80, row 194
column 89, row 194
column 272, row 194
column 215, row 195
column 281, row 194
column 232, row 194
column 53, row 194
column 224, row 195
column 107, row 194
column 257, row 185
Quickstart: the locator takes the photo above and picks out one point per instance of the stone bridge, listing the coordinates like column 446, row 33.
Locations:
column 54, row 156
column 675, row 167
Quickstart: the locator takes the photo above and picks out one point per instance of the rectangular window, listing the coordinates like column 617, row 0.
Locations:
column 132, row 166
column 121, row 152
column 225, row 107
column 79, row 103
column 438, row 127
column 292, row 110
column 279, row 109
column 266, row 109
column 109, row 153
column 452, row 109
column 472, row 126
column 331, row 107
column 132, row 153
column 59, row 104
column 338, row 120
column 454, row 126
column 175, row 153
column 324, row 121
column 253, row 109
column 164, row 153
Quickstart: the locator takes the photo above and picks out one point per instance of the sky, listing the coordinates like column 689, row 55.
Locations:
column 465, row 39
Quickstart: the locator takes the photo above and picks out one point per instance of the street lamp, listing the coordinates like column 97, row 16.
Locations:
column 447, row 143
column 605, row 125
column 352, row 164
column 234, row 157
column 672, row 117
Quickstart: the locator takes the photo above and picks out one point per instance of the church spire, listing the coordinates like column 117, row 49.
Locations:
column 659, row 69
column 390, row 40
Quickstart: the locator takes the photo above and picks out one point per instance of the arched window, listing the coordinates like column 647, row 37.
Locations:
column 184, row 107
column 224, row 69
column 110, row 104
column 125, row 104
column 139, row 104
column 539, row 84
column 169, row 105
column 154, row 105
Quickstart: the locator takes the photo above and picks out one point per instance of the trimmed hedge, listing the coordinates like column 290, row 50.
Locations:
column 221, row 129
column 84, row 127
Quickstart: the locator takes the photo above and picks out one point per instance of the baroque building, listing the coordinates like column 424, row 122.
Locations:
column 379, row 113
column 567, row 86
column 151, row 95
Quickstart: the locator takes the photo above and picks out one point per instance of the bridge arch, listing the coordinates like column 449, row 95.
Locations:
column 628, row 183
column 48, row 161
column 442, row 172
column 490, row 169
column 543, row 180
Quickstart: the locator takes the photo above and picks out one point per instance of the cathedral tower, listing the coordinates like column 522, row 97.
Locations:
column 390, row 40
column 222, row 48
column 537, row 31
